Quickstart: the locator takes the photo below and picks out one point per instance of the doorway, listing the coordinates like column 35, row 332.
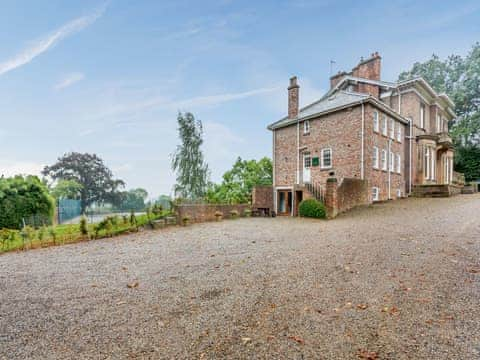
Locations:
column 284, row 202
column 298, row 200
column 307, row 164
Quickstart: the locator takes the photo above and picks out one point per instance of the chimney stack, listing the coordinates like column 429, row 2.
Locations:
column 293, row 93
column 369, row 68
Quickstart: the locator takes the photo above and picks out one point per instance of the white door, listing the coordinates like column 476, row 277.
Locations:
column 307, row 163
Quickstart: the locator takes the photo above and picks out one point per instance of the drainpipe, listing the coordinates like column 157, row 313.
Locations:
column 298, row 153
column 273, row 171
column 410, row 121
column 389, row 167
column 362, row 140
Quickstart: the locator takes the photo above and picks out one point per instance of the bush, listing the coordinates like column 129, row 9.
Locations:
column 234, row 214
column 83, row 226
column 22, row 198
column 247, row 212
column 312, row 208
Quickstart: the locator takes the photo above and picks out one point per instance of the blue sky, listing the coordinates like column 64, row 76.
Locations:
column 109, row 77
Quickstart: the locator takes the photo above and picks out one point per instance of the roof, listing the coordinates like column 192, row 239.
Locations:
column 337, row 101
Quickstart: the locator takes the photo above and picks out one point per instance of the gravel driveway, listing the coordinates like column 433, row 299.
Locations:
column 399, row 280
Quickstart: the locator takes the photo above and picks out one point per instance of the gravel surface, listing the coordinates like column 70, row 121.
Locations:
column 399, row 280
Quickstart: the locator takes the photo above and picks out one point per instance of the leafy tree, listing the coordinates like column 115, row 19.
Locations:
column 467, row 161
column 98, row 184
column 21, row 198
column 133, row 199
column 459, row 78
column 187, row 160
column 237, row 184
column 67, row 189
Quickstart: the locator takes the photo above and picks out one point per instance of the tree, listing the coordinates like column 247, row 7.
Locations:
column 467, row 161
column 22, row 198
column 237, row 184
column 67, row 189
column 96, row 179
column 187, row 160
column 133, row 199
column 459, row 78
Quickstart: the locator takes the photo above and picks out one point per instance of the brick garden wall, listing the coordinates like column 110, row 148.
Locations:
column 262, row 197
column 206, row 212
column 349, row 194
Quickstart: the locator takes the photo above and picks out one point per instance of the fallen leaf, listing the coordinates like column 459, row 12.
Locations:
column 368, row 355
column 474, row 270
column 362, row 306
column 121, row 302
column 246, row 339
column 132, row 285
column 297, row 339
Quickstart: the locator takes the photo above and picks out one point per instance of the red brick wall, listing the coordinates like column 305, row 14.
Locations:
column 262, row 197
column 285, row 155
column 341, row 132
column 378, row 177
column 206, row 212
column 349, row 194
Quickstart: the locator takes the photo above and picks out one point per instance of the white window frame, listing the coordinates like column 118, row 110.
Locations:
column 433, row 161
column 392, row 129
column 306, row 127
column 383, row 159
column 426, row 163
column 399, row 133
column 375, row 193
column 384, row 125
column 376, row 122
column 422, row 116
column 376, row 160
column 391, row 165
column 398, row 163
column 322, row 158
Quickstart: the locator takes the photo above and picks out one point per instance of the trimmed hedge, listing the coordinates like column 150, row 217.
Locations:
column 24, row 198
column 312, row 208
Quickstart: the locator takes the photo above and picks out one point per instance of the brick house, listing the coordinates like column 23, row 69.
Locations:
column 394, row 135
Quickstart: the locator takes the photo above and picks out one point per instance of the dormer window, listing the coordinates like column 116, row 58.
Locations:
column 306, row 127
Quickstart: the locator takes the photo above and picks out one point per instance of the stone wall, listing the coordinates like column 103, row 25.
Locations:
column 206, row 212
column 349, row 194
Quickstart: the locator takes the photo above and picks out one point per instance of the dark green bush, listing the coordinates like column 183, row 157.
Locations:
column 312, row 208
column 23, row 198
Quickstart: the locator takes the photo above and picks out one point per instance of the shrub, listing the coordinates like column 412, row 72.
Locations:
column 41, row 234
column 53, row 234
column 185, row 220
column 312, row 208
column 22, row 198
column 247, row 212
column 83, row 226
column 234, row 214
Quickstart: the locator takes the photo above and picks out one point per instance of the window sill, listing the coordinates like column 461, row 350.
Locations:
column 326, row 168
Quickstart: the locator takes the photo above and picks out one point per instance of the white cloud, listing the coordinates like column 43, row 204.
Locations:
column 40, row 46
column 69, row 80
column 164, row 103
column 11, row 168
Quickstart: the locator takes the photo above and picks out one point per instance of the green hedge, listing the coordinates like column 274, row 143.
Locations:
column 24, row 198
column 312, row 208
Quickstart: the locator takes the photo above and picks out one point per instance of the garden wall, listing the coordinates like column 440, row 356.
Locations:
column 206, row 212
column 350, row 193
column 262, row 197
